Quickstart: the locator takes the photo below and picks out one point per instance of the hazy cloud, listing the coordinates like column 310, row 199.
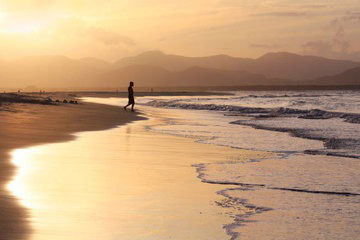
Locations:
column 314, row 6
column 20, row 5
column 280, row 14
column 338, row 47
column 351, row 16
column 348, row 18
column 319, row 48
column 188, row 27
column 265, row 46
column 339, row 41
column 327, row 49
column 108, row 37
column 79, row 28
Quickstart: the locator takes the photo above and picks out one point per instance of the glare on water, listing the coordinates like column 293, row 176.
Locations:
column 123, row 183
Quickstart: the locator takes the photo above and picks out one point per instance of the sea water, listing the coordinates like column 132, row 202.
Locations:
column 310, row 189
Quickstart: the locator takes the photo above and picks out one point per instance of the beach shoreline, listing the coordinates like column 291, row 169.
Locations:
column 129, row 181
column 242, row 178
column 25, row 125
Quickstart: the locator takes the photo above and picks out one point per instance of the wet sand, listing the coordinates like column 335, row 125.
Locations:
column 132, row 183
column 23, row 125
column 123, row 183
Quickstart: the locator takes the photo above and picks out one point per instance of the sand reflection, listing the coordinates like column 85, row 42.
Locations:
column 116, row 185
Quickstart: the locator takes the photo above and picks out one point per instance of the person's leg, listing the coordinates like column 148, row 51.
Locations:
column 126, row 106
column 132, row 107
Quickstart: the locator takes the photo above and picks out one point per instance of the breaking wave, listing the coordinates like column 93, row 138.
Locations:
column 282, row 120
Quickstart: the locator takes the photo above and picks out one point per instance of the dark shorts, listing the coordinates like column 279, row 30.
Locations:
column 131, row 100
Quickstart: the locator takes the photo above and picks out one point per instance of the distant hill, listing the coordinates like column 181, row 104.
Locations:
column 273, row 65
column 180, row 63
column 49, row 72
column 297, row 67
column 154, row 69
column 350, row 78
column 142, row 75
column 97, row 63
column 149, row 76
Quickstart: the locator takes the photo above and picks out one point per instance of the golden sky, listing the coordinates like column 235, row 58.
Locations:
column 112, row 29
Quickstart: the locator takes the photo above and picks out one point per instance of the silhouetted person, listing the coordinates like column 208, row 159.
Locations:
column 131, row 96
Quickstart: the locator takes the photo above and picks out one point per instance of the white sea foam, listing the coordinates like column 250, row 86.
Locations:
column 335, row 120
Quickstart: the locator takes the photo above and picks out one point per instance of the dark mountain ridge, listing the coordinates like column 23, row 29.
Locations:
column 148, row 76
column 273, row 65
column 348, row 78
column 158, row 69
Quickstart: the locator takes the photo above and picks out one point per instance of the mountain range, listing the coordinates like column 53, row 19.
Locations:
column 273, row 65
column 154, row 69
column 348, row 78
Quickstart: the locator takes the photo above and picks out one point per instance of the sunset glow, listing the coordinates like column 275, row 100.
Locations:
column 115, row 29
column 23, row 28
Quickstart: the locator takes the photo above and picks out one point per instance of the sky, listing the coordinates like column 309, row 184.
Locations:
column 110, row 29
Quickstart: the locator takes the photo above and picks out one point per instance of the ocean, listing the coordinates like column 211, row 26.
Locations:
column 308, row 189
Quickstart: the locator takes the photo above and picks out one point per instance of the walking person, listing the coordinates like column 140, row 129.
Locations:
column 131, row 96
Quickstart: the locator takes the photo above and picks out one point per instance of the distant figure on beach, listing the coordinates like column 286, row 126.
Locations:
column 131, row 96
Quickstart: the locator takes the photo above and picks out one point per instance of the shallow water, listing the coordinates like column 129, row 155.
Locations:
column 298, row 215
column 330, row 116
column 123, row 183
column 291, row 195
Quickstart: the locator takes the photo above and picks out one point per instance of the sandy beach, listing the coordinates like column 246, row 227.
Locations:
column 160, row 186
column 94, row 171
column 137, row 188
column 23, row 125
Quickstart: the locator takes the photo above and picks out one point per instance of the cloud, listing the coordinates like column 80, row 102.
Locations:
column 265, row 46
column 314, row 6
column 339, row 41
column 74, row 27
column 348, row 18
column 319, row 48
column 280, row 14
column 327, row 49
column 21, row 5
column 238, row 4
column 338, row 47
column 351, row 17
column 108, row 37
